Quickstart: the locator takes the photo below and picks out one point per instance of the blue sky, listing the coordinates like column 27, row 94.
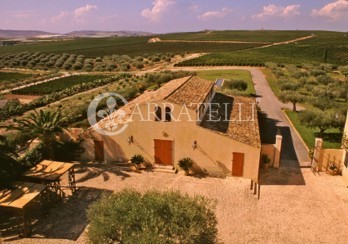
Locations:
column 161, row 16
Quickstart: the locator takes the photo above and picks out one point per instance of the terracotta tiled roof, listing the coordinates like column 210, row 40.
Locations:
column 147, row 97
column 157, row 95
column 192, row 93
column 235, row 117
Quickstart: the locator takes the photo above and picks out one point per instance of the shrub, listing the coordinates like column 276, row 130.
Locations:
column 137, row 159
column 239, row 85
column 154, row 217
column 325, row 80
column 317, row 72
column 186, row 163
column 265, row 159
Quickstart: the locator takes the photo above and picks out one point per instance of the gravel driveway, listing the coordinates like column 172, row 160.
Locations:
column 294, row 152
column 307, row 209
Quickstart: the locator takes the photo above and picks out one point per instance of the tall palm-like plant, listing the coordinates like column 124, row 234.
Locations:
column 45, row 125
column 8, row 163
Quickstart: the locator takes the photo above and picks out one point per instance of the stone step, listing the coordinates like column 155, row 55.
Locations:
column 163, row 169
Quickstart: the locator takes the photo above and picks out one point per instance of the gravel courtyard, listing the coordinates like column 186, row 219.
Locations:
column 296, row 206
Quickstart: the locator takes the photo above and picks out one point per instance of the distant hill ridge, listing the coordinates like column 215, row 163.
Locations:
column 82, row 33
column 22, row 33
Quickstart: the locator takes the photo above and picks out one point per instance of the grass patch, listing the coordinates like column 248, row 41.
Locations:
column 272, row 81
column 332, row 137
column 245, row 75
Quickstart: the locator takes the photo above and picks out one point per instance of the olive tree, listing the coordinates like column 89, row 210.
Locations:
column 316, row 118
column 291, row 96
column 154, row 217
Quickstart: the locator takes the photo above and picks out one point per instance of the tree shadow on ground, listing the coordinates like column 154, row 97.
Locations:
column 268, row 128
column 67, row 221
column 334, row 137
column 289, row 172
column 93, row 170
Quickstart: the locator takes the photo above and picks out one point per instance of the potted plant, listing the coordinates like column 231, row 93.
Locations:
column 265, row 160
column 138, row 160
column 185, row 164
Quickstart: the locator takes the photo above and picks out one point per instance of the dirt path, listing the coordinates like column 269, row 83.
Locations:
column 284, row 42
column 267, row 44
column 154, row 40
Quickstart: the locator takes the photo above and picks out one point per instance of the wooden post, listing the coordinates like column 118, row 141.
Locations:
column 251, row 185
column 255, row 189
column 258, row 191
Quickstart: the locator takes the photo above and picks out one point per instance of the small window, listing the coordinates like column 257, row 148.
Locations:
column 201, row 110
column 158, row 113
column 168, row 114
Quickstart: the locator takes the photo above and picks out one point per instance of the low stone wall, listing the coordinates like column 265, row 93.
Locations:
column 273, row 151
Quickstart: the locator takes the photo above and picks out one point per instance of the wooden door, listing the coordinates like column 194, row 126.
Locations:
column 99, row 150
column 238, row 164
column 163, row 152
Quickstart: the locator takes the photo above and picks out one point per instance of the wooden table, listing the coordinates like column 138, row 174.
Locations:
column 18, row 199
column 50, row 172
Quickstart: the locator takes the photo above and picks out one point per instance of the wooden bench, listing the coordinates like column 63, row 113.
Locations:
column 49, row 173
column 19, row 198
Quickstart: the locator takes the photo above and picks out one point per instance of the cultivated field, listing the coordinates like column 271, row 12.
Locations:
column 58, row 85
column 132, row 46
column 324, row 47
column 246, row 36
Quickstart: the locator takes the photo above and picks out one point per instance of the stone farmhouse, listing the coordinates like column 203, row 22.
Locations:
column 183, row 118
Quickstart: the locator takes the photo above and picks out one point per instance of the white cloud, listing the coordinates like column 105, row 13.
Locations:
column 60, row 17
column 80, row 12
column 272, row 10
column 22, row 14
column 194, row 8
column 215, row 14
column 159, row 7
column 77, row 15
column 335, row 10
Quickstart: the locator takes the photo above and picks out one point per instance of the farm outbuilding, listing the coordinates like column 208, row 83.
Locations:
column 183, row 118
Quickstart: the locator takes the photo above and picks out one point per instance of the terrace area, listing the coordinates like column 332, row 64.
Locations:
column 241, row 217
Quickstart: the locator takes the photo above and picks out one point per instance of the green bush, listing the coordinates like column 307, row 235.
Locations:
column 239, row 85
column 137, row 159
column 186, row 163
column 154, row 217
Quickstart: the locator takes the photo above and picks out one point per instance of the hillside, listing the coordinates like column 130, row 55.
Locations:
column 22, row 33
column 94, row 33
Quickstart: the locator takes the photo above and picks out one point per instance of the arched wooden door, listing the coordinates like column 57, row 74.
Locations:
column 163, row 152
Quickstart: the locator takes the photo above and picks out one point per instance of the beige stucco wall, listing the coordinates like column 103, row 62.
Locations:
column 269, row 150
column 214, row 152
column 346, row 126
column 330, row 155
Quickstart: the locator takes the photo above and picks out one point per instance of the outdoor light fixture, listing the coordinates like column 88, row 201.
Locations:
column 194, row 145
column 130, row 140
